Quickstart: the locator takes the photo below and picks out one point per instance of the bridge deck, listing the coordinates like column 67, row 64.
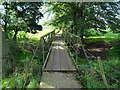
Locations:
column 59, row 59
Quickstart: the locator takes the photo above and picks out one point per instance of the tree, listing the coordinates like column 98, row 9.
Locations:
column 6, row 17
column 29, row 12
column 79, row 17
column 21, row 16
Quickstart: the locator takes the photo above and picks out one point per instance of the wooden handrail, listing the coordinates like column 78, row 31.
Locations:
column 43, row 43
column 47, row 34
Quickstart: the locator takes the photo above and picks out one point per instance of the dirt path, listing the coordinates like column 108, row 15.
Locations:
column 58, row 80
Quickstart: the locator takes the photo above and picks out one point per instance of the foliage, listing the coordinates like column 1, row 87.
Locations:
column 29, row 12
column 21, row 16
column 26, row 76
column 92, row 32
column 115, row 50
column 33, row 84
column 79, row 17
column 109, row 37
column 91, row 78
column 8, row 83
column 27, row 73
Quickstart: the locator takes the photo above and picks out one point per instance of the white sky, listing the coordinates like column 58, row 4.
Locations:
column 1, row 8
column 46, row 16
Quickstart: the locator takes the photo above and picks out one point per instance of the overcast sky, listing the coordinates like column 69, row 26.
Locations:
column 46, row 16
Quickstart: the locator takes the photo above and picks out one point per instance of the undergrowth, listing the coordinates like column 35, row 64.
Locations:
column 111, row 68
column 27, row 72
column 89, row 70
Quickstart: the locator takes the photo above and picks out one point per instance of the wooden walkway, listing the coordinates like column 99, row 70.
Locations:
column 59, row 59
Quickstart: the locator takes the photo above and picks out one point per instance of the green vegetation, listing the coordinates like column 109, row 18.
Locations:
column 97, row 25
column 89, row 70
column 27, row 73
column 80, row 18
column 108, row 37
column 92, row 78
column 21, row 16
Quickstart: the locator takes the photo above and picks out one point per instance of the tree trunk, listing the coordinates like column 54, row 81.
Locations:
column 81, row 35
column 8, row 62
column 15, row 35
column 81, row 15
column 6, row 21
column 82, row 39
column 74, row 21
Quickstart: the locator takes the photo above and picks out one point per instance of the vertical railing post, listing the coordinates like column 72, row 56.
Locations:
column 64, row 35
column 102, row 71
column 43, row 49
column 67, row 37
column 49, row 41
column 54, row 34
column 77, row 52
column 50, row 37
column 83, row 49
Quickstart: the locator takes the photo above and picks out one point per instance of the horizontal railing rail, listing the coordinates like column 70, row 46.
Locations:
column 74, row 42
column 44, row 47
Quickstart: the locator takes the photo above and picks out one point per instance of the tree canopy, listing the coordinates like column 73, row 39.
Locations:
column 78, row 17
column 21, row 16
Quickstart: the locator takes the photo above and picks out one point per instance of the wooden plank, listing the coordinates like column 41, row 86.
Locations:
column 50, row 60
column 69, row 60
column 46, row 58
column 64, row 64
column 63, row 70
column 59, row 59
column 56, row 63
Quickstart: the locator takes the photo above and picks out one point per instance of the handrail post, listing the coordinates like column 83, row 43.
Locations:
column 50, row 38
column 77, row 52
column 43, row 50
column 67, row 37
column 102, row 71
column 83, row 49
column 53, row 34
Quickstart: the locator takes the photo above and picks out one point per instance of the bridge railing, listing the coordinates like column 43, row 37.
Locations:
column 43, row 49
column 75, row 45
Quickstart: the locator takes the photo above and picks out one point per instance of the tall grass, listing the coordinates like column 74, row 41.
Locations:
column 91, row 78
column 27, row 73
column 108, row 37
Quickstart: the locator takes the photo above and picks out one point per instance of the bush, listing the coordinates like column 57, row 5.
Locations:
column 8, row 83
column 115, row 51
column 92, row 32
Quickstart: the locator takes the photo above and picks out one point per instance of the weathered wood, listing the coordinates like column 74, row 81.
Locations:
column 59, row 59
column 64, row 63
column 102, row 71
column 69, row 60
column 51, row 59
column 56, row 62
column 46, row 58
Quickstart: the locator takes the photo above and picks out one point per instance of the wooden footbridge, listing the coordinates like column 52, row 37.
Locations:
column 53, row 48
column 56, row 59
column 59, row 59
